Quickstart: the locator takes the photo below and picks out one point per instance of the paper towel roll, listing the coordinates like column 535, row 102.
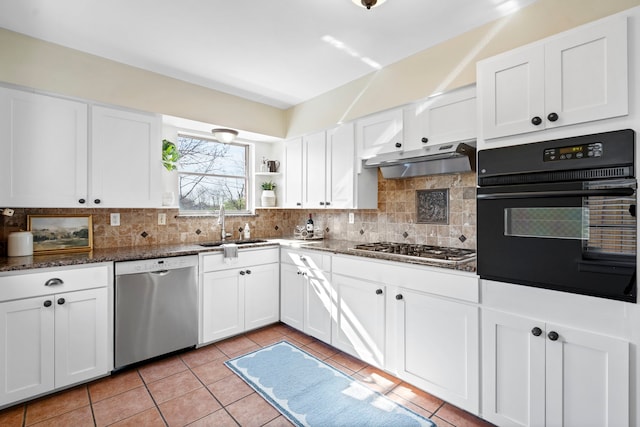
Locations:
column 20, row 243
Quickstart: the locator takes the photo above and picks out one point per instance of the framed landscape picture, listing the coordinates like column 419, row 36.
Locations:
column 60, row 233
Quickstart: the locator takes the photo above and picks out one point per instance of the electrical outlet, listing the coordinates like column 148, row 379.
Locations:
column 351, row 218
column 162, row 219
column 115, row 219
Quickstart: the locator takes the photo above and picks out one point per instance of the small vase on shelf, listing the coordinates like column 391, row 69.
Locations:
column 268, row 198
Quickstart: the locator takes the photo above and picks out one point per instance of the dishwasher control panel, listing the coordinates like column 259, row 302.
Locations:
column 156, row 264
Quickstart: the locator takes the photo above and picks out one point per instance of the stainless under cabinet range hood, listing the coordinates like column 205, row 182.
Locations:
column 455, row 157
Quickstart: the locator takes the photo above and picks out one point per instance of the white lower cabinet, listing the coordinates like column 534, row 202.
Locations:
column 537, row 374
column 437, row 345
column 306, row 293
column 418, row 323
column 359, row 327
column 59, row 337
column 237, row 295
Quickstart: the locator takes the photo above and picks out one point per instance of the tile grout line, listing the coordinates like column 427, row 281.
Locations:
column 146, row 386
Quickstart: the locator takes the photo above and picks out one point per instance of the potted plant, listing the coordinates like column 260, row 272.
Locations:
column 170, row 156
column 268, row 198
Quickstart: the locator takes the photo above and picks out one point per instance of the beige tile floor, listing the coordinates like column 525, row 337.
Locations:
column 195, row 388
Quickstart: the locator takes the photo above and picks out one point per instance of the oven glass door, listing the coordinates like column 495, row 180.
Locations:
column 559, row 236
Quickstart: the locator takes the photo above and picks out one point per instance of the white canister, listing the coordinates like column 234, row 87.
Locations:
column 20, row 243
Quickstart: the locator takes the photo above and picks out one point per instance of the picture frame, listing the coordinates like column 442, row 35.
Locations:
column 432, row 206
column 61, row 233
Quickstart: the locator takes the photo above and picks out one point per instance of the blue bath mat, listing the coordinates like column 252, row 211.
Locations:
column 310, row 392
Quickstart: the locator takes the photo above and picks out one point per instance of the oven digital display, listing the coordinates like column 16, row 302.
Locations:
column 574, row 152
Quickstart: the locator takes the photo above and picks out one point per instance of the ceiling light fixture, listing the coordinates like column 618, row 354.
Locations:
column 368, row 3
column 224, row 135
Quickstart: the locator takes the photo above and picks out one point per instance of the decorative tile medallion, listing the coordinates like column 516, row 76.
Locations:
column 432, row 206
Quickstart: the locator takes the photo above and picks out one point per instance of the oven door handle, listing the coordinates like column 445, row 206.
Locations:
column 624, row 191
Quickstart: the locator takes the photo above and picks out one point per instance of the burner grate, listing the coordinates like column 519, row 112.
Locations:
column 440, row 253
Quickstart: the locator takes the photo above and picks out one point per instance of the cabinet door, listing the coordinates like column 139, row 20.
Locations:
column 81, row 336
column 379, row 133
column 513, row 370
column 444, row 118
column 126, row 153
column 262, row 296
column 291, row 296
column 439, row 347
column 340, row 172
column 44, row 146
column 27, row 348
column 586, row 74
column 222, row 305
column 315, row 157
column 317, row 305
column 292, row 159
column 587, row 379
column 511, row 92
column 360, row 319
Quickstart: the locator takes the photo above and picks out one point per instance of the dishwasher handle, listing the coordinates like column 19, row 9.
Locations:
column 160, row 272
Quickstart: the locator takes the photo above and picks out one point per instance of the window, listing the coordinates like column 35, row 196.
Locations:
column 212, row 174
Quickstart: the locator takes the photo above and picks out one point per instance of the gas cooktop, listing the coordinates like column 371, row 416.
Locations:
column 427, row 252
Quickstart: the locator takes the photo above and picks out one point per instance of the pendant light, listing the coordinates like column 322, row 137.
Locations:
column 368, row 3
column 224, row 135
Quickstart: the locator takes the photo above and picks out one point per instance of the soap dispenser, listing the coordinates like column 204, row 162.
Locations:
column 247, row 231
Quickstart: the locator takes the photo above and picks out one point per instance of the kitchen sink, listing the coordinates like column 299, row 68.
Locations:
column 237, row 242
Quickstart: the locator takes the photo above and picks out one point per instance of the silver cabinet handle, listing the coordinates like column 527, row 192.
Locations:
column 53, row 282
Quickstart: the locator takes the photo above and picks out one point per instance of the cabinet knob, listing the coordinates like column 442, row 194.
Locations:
column 298, row 204
column 536, row 331
column 61, row 301
column 47, row 303
column 398, row 145
column 248, row 271
column 399, row 297
column 96, row 201
column 53, row 282
column 553, row 336
column 536, row 121
column 378, row 291
column 242, row 273
column 299, row 272
column 552, row 117
column 302, row 258
column 327, row 203
column 82, row 201
column 424, row 139
column 321, row 203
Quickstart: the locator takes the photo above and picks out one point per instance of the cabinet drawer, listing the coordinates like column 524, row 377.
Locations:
column 437, row 281
column 32, row 284
column 215, row 261
column 310, row 259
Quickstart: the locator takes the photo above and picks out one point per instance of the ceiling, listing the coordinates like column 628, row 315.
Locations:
column 278, row 52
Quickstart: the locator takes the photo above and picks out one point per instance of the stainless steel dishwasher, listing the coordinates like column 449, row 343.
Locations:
column 156, row 307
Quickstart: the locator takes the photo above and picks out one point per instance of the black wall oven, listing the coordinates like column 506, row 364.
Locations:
column 560, row 215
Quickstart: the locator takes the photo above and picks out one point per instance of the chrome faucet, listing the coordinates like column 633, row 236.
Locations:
column 223, row 233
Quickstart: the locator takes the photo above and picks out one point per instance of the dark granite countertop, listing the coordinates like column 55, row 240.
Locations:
column 8, row 264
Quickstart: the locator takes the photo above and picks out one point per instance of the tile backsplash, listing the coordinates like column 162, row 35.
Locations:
column 394, row 220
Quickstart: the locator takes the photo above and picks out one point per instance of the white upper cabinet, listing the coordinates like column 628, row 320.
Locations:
column 575, row 77
column 50, row 161
column 314, row 150
column 44, row 146
column 292, row 159
column 379, row 133
column 320, row 172
column 126, row 158
column 444, row 118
